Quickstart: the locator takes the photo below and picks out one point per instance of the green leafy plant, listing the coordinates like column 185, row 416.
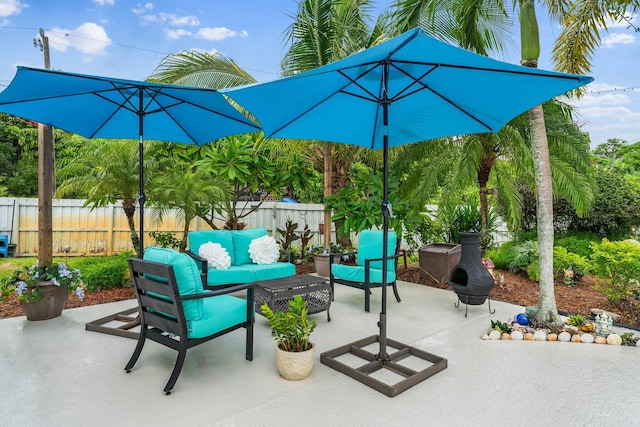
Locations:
column 26, row 282
column 618, row 263
column 288, row 234
column 501, row 327
column 563, row 259
column 629, row 339
column 165, row 240
column 291, row 329
column 575, row 320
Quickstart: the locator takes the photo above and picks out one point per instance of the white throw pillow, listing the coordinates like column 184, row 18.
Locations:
column 217, row 257
column 264, row 250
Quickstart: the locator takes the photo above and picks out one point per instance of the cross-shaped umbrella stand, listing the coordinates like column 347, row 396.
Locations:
column 410, row 88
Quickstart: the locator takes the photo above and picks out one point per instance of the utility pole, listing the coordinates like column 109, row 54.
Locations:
column 46, row 175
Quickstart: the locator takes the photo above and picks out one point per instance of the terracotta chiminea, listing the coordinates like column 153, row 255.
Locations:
column 470, row 279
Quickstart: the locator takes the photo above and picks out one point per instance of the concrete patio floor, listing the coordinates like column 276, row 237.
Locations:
column 55, row 373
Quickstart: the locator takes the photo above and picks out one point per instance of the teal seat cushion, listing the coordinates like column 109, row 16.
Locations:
column 187, row 276
column 219, row 313
column 241, row 241
column 272, row 271
column 223, row 237
column 370, row 247
column 233, row 275
column 356, row 274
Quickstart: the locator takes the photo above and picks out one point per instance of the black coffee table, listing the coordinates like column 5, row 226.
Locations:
column 277, row 293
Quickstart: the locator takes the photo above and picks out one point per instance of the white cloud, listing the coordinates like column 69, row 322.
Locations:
column 621, row 23
column 613, row 98
column 219, row 33
column 89, row 38
column 618, row 38
column 11, row 7
column 104, row 2
column 176, row 34
column 177, row 21
column 140, row 9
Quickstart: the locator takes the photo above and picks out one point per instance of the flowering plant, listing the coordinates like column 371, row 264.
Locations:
column 26, row 281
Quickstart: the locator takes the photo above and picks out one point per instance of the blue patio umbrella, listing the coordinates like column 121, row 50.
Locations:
column 410, row 88
column 104, row 107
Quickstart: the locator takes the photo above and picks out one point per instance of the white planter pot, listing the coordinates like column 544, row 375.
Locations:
column 295, row 365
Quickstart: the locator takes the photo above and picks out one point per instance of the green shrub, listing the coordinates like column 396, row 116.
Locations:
column 618, row 263
column 563, row 259
column 165, row 240
column 103, row 272
column 500, row 256
column 578, row 242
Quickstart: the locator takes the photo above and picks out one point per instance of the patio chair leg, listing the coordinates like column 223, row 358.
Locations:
column 395, row 292
column 136, row 353
column 367, row 300
column 176, row 371
column 249, row 341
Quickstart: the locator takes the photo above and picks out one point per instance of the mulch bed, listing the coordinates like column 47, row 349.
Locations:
column 517, row 289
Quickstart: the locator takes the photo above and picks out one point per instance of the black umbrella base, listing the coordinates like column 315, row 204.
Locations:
column 374, row 371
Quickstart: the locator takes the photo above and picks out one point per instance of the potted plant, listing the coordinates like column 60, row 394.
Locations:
column 321, row 257
column 291, row 330
column 43, row 291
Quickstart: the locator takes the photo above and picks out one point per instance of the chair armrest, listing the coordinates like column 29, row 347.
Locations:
column 203, row 266
column 289, row 255
column 368, row 261
column 212, row 293
column 340, row 254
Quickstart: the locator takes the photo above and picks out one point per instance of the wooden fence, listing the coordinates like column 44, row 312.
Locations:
column 105, row 231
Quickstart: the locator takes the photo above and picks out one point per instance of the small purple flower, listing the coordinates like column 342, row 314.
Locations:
column 80, row 293
column 55, row 281
column 21, row 287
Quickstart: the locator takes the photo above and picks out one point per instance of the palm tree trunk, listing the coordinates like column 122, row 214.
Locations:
column 547, row 313
column 129, row 207
column 484, row 170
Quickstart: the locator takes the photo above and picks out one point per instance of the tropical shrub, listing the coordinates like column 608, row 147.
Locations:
column 563, row 259
column 618, row 264
column 104, row 272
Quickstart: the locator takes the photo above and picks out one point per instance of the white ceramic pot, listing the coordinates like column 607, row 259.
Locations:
column 295, row 365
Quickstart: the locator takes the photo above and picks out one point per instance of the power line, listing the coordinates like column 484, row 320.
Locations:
column 622, row 89
column 65, row 34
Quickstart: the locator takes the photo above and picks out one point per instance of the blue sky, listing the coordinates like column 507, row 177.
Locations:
column 128, row 39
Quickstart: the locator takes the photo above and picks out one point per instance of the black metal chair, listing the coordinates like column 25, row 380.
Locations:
column 368, row 273
column 182, row 321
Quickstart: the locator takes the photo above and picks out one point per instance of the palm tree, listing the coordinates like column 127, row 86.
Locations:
column 324, row 31
column 106, row 171
column 573, row 49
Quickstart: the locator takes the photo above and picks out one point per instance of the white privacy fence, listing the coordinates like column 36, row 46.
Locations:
column 105, row 231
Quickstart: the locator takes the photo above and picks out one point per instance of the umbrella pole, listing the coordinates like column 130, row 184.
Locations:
column 383, row 360
column 141, row 196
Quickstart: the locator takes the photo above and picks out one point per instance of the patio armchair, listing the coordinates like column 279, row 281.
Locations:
column 367, row 274
column 176, row 312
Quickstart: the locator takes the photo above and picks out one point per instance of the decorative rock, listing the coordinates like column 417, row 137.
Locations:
column 486, row 337
column 494, row 335
column 614, row 339
column 638, row 343
column 528, row 336
column 564, row 336
column 600, row 340
column 522, row 319
column 531, row 310
column 587, row 338
column 595, row 311
column 505, row 336
column 540, row 336
column 518, row 335
column 552, row 337
column 576, row 338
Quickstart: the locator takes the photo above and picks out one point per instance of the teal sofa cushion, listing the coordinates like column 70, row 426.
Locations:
column 241, row 241
column 187, row 275
column 223, row 237
column 356, row 274
column 271, row 271
column 370, row 247
column 233, row 275
column 220, row 313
